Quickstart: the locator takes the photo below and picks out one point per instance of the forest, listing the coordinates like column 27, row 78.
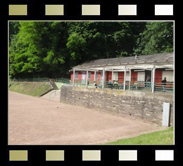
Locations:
column 52, row 48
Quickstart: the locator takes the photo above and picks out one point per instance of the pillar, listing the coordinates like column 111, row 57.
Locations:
column 73, row 77
column 103, row 82
column 130, row 73
column 95, row 75
column 112, row 75
column 86, row 83
column 153, row 79
column 124, row 80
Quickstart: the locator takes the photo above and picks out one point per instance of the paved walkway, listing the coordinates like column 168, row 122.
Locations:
column 38, row 121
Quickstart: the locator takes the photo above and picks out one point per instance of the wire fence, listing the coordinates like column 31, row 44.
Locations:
column 63, row 80
column 45, row 79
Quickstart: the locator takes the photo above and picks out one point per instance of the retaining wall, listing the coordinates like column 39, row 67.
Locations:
column 144, row 105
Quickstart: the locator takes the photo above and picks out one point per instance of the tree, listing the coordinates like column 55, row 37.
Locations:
column 156, row 38
column 13, row 29
column 51, row 49
column 94, row 40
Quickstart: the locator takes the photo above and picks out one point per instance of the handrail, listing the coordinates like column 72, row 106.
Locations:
column 129, row 85
column 138, row 85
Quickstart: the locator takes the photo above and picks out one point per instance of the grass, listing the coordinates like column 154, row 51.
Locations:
column 58, row 84
column 156, row 138
column 30, row 88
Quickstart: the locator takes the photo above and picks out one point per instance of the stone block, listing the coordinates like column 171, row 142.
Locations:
column 122, row 102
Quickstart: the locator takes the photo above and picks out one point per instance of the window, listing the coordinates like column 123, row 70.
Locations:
column 76, row 74
column 115, row 76
column 127, row 76
column 169, row 76
column 141, row 76
column 89, row 75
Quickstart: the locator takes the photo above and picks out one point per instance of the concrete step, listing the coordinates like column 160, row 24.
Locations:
column 52, row 95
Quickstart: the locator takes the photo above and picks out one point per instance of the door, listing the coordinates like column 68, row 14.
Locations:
column 147, row 73
column 83, row 78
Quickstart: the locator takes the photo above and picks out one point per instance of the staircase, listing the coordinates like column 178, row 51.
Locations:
column 52, row 95
column 54, row 86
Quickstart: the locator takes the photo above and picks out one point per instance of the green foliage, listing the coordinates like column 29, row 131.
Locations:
column 156, row 38
column 13, row 29
column 76, row 44
column 156, row 138
column 50, row 49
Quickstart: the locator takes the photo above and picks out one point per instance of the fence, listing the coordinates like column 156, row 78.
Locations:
column 146, row 86
column 90, row 83
column 168, row 87
column 62, row 80
column 45, row 79
column 138, row 85
column 143, row 86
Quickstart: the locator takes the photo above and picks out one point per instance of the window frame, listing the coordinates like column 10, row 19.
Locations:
column 115, row 75
column 128, row 76
column 138, row 76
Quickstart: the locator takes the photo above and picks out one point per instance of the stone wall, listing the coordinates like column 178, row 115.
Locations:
column 143, row 105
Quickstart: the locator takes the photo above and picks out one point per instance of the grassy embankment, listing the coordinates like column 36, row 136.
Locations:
column 30, row 88
column 59, row 85
column 156, row 138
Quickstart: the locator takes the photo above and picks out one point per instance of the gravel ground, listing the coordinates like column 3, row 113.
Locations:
column 39, row 121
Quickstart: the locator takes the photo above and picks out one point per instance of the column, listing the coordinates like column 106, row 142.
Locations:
column 130, row 73
column 124, row 79
column 103, row 82
column 86, row 83
column 95, row 75
column 73, row 76
column 153, row 79
column 112, row 75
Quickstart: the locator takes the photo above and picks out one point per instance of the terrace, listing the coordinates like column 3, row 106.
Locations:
column 147, row 63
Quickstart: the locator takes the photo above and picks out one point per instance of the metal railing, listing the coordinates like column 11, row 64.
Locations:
column 134, row 86
column 140, row 85
column 90, row 83
column 164, row 87
column 143, row 86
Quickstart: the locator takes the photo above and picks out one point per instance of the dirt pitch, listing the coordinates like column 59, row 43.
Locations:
column 38, row 121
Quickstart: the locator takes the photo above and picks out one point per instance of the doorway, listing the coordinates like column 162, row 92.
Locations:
column 83, row 77
column 147, row 73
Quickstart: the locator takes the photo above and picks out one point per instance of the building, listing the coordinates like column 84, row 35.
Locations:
column 129, row 73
